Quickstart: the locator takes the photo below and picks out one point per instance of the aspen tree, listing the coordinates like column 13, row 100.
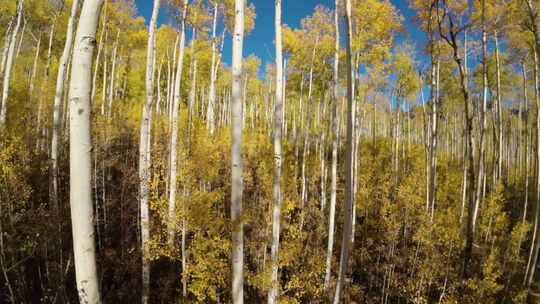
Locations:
column 236, row 157
column 60, row 79
column 349, row 200
column 278, row 125
column 9, row 64
column 144, row 155
column 171, row 224
column 82, row 213
column 335, row 123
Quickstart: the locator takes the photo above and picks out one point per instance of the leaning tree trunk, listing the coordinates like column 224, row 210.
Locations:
column 236, row 158
column 278, row 126
column 144, row 155
column 171, row 223
column 82, row 213
column 5, row 48
column 347, row 229
column 9, row 64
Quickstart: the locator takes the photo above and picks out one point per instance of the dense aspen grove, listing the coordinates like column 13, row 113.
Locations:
column 138, row 164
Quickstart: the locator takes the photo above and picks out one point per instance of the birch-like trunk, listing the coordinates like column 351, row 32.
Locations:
column 5, row 48
column 100, row 48
column 171, row 220
column 113, row 75
column 59, row 91
column 236, row 158
column 34, row 68
column 278, row 126
column 498, row 118
column 9, row 64
column 82, row 213
column 144, row 154
column 335, row 127
column 347, row 229
column 483, row 118
column 210, row 115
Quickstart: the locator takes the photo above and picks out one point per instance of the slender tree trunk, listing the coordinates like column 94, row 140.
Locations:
column 236, row 159
column 305, row 183
column 5, row 49
column 278, row 126
column 171, row 220
column 113, row 75
column 483, row 118
column 347, row 229
column 59, row 91
column 434, row 140
column 34, row 68
column 82, row 214
column 498, row 118
column 40, row 130
column 23, row 30
column 100, row 48
column 144, row 155
column 210, row 120
column 9, row 65
column 526, row 136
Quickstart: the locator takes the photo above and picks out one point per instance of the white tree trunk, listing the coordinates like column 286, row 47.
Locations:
column 9, row 64
column 236, row 158
column 34, row 68
column 210, row 119
column 278, row 125
column 347, row 229
column 82, row 213
column 333, row 182
column 144, row 154
column 5, row 49
column 113, row 74
column 59, row 91
column 171, row 220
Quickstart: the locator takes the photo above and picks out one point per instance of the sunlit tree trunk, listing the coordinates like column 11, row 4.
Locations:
column 59, row 91
column 333, row 178
column 113, row 76
column 210, row 119
column 9, row 64
column 144, row 155
column 236, row 158
column 34, row 68
column 44, row 83
column 278, row 125
column 5, row 48
column 498, row 118
column 82, row 213
column 483, row 118
column 100, row 48
column 171, row 221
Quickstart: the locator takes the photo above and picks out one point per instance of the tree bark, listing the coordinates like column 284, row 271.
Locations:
column 9, row 65
column 210, row 115
column 347, row 229
column 171, row 220
column 57, row 103
column 236, row 158
column 82, row 214
column 333, row 182
column 278, row 126
column 144, row 154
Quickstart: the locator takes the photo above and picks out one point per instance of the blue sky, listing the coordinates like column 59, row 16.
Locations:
column 261, row 40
